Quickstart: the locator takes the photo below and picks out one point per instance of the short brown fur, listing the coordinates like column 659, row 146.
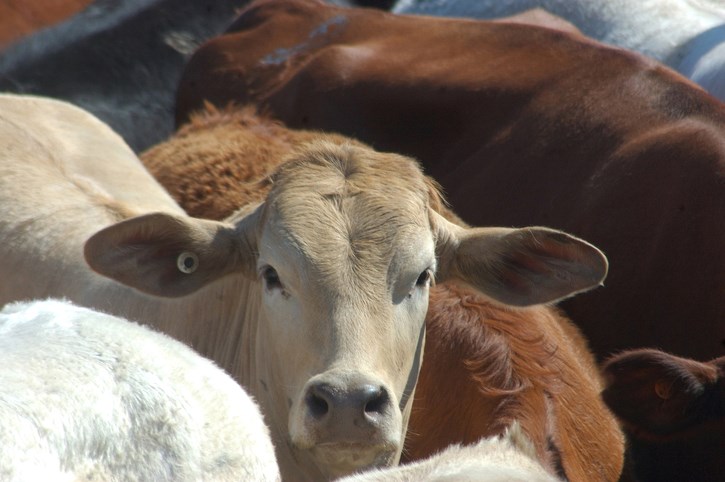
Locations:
column 19, row 18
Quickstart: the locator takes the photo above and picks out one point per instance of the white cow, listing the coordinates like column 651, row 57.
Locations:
column 89, row 396
column 508, row 458
column 314, row 299
column 687, row 35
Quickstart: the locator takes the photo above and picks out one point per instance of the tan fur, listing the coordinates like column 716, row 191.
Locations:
column 59, row 217
column 484, row 366
column 55, row 192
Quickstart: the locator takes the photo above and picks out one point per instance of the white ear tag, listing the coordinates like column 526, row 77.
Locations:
column 187, row 262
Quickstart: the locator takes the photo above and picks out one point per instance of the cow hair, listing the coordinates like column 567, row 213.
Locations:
column 520, row 363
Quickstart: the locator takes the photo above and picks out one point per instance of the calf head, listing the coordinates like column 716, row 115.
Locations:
column 343, row 249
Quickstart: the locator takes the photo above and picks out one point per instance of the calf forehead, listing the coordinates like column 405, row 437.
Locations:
column 346, row 205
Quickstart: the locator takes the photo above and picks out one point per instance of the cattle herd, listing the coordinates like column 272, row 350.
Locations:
column 413, row 240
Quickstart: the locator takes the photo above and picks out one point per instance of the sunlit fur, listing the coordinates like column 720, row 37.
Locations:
column 684, row 34
column 89, row 396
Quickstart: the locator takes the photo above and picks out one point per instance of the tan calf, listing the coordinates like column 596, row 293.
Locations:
column 485, row 364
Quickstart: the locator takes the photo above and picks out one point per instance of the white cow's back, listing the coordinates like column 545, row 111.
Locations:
column 510, row 458
column 84, row 395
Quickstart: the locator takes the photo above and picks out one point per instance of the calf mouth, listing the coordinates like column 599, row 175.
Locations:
column 338, row 459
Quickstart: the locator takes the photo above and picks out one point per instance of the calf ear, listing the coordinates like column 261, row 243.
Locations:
column 656, row 393
column 169, row 255
column 518, row 267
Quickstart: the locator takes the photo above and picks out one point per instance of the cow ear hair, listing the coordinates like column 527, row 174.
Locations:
column 518, row 267
column 169, row 255
column 654, row 392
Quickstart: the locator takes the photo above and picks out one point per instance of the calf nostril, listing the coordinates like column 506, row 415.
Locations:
column 317, row 404
column 364, row 403
column 377, row 401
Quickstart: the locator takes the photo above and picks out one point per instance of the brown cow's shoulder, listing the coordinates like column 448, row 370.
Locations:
column 19, row 18
column 487, row 365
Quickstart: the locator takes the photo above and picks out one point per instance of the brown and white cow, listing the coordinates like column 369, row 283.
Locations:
column 485, row 364
column 520, row 125
column 313, row 299
column 673, row 411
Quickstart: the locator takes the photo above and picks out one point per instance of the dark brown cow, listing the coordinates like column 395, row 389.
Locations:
column 673, row 410
column 484, row 365
column 22, row 17
column 520, row 125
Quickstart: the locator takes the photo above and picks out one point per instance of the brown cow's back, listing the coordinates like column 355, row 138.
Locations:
column 521, row 126
column 22, row 17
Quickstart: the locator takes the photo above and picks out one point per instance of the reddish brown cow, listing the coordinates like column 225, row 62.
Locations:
column 22, row 17
column 673, row 410
column 520, row 125
column 484, row 365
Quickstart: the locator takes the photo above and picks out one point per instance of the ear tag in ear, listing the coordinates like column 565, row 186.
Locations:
column 663, row 389
column 187, row 262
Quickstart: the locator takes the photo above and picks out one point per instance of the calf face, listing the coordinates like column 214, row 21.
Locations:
column 342, row 251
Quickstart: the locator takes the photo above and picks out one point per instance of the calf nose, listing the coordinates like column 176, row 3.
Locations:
column 358, row 407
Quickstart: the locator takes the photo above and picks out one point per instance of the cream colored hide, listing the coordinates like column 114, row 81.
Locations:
column 314, row 300
column 89, row 396
column 508, row 458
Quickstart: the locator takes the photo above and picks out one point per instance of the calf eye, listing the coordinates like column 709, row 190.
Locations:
column 271, row 278
column 424, row 278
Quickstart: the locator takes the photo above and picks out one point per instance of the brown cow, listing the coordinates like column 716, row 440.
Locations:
column 520, row 125
column 484, row 365
column 21, row 17
column 673, row 410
